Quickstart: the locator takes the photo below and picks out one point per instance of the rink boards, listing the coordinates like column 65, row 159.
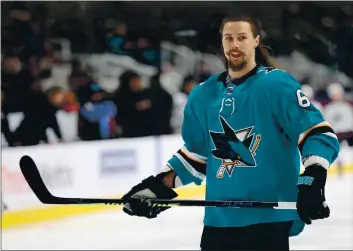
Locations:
column 91, row 169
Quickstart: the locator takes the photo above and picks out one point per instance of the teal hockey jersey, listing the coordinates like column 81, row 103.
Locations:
column 246, row 138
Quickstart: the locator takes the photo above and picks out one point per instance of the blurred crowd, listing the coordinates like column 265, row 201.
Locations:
column 27, row 59
column 301, row 42
column 323, row 34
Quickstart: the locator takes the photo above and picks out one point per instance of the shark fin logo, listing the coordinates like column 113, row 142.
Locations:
column 234, row 148
column 269, row 70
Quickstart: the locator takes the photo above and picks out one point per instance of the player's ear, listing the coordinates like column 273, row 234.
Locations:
column 257, row 40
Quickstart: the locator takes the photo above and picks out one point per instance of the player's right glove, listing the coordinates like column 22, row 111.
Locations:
column 138, row 199
column 311, row 195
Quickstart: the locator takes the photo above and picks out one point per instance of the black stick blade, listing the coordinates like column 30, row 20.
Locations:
column 35, row 181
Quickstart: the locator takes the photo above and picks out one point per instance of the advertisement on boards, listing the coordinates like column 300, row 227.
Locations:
column 56, row 175
column 118, row 161
column 56, row 167
column 16, row 192
column 13, row 181
column 123, row 163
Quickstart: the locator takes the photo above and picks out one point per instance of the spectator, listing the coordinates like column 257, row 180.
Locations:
column 147, row 52
column 96, row 110
column 118, row 41
column 16, row 83
column 134, row 106
column 39, row 115
column 339, row 113
column 161, row 110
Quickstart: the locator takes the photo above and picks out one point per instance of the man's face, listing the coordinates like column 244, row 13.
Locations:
column 136, row 84
column 121, row 29
column 58, row 99
column 12, row 64
column 238, row 44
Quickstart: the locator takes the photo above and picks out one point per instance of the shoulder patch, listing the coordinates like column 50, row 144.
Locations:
column 275, row 75
column 267, row 70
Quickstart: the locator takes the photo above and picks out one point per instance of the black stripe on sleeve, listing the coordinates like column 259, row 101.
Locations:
column 318, row 130
column 196, row 165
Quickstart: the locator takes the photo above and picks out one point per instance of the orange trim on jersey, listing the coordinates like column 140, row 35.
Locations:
column 312, row 128
column 193, row 158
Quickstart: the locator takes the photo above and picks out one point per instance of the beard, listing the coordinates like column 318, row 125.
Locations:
column 236, row 64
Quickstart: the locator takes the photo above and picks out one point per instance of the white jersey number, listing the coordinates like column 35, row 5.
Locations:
column 302, row 100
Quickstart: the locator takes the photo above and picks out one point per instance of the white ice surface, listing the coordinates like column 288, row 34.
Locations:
column 177, row 228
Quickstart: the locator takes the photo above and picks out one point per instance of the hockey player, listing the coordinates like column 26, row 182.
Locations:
column 246, row 131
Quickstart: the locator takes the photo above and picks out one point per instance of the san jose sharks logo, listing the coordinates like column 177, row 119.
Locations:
column 234, row 148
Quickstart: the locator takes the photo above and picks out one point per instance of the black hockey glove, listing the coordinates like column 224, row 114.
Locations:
column 139, row 197
column 311, row 195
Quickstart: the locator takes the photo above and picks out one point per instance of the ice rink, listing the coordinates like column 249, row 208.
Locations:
column 177, row 228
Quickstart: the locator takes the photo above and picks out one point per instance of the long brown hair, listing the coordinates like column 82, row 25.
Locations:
column 262, row 56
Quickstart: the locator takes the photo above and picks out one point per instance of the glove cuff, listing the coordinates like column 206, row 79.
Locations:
column 157, row 186
column 314, row 175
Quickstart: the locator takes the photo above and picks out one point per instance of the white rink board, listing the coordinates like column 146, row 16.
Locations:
column 78, row 169
column 177, row 229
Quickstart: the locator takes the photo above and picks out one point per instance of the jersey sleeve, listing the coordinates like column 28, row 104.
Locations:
column 302, row 122
column 190, row 161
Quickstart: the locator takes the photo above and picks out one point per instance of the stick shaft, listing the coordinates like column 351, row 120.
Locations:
column 35, row 181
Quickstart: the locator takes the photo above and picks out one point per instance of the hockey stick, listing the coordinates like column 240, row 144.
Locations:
column 35, row 181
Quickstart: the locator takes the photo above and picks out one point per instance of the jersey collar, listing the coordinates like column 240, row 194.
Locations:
column 226, row 79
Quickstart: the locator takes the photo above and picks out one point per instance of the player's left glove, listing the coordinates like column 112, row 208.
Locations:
column 139, row 197
column 311, row 195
